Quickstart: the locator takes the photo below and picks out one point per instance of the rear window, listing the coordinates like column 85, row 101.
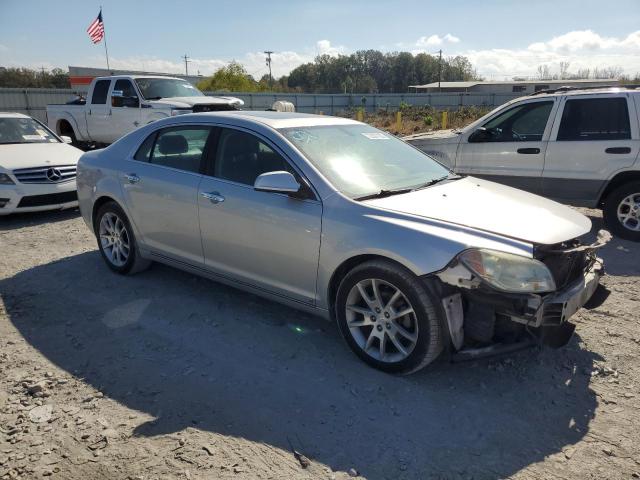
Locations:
column 595, row 119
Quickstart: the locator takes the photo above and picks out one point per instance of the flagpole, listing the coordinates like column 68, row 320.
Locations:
column 106, row 51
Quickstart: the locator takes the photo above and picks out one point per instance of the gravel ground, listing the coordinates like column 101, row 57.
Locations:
column 165, row 375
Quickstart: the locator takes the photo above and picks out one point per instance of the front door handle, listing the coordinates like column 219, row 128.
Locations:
column 529, row 151
column 618, row 150
column 132, row 178
column 213, row 197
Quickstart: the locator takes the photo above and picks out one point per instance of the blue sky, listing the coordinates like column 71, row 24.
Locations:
column 502, row 38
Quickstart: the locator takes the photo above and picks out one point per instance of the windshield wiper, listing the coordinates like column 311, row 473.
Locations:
column 383, row 193
column 436, row 180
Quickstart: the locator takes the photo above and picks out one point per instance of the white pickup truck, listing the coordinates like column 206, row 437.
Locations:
column 116, row 105
column 577, row 146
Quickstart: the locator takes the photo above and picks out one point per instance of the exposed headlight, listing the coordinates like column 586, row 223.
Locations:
column 180, row 111
column 509, row 272
column 6, row 179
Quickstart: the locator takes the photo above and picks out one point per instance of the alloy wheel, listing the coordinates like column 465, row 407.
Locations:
column 114, row 239
column 629, row 212
column 381, row 320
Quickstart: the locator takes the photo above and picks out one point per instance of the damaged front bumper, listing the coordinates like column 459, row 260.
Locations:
column 483, row 321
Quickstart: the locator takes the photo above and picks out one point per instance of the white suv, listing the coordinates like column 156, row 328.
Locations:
column 577, row 146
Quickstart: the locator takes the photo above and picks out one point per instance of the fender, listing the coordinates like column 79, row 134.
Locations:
column 80, row 135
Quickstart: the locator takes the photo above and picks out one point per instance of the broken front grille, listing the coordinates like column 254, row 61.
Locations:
column 564, row 262
column 57, row 174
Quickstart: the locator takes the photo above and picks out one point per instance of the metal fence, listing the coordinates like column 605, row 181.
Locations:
column 33, row 101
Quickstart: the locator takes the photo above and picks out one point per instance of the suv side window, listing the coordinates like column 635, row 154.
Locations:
column 595, row 119
column 181, row 148
column 242, row 157
column 522, row 123
column 100, row 90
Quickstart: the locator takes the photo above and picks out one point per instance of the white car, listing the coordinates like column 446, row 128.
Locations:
column 37, row 168
column 576, row 146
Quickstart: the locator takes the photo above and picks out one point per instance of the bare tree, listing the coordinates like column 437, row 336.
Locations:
column 564, row 70
column 543, row 72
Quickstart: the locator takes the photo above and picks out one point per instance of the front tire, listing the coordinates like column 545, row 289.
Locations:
column 388, row 318
column 116, row 240
column 621, row 211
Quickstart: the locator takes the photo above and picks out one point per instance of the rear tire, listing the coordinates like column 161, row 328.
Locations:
column 621, row 211
column 116, row 240
column 388, row 318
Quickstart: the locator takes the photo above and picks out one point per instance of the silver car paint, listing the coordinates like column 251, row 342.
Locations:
column 290, row 264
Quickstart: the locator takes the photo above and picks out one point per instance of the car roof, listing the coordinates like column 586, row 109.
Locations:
column 13, row 115
column 279, row 120
column 583, row 91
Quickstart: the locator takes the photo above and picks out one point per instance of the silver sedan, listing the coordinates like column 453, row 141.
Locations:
column 343, row 220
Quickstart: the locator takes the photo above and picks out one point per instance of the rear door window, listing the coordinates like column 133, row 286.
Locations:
column 100, row 90
column 595, row 119
column 181, row 148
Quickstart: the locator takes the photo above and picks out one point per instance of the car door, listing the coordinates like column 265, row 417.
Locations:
column 161, row 190
column 267, row 240
column 597, row 136
column 509, row 148
column 99, row 113
column 125, row 108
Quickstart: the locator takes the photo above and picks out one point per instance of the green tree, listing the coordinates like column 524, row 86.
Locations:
column 232, row 78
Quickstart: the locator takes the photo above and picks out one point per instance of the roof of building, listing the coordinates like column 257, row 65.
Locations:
column 513, row 82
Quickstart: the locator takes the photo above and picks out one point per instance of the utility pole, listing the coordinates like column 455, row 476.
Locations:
column 268, row 53
column 440, row 70
column 186, row 64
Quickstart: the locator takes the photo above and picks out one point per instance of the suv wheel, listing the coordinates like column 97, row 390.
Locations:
column 622, row 211
column 388, row 318
column 116, row 241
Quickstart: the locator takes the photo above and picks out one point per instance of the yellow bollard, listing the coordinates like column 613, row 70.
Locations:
column 360, row 115
column 444, row 120
column 321, row 112
column 398, row 120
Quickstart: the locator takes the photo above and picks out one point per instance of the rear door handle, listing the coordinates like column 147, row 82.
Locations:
column 213, row 197
column 132, row 178
column 618, row 150
column 529, row 151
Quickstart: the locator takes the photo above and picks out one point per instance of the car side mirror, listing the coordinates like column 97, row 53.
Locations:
column 481, row 134
column 66, row 139
column 278, row 182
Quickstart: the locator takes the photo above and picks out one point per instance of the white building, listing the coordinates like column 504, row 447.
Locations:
column 523, row 87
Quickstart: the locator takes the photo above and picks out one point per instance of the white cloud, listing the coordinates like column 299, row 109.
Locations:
column 436, row 40
column 587, row 40
column 583, row 49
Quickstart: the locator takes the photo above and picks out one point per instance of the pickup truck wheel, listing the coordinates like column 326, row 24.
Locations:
column 622, row 211
column 387, row 317
column 116, row 241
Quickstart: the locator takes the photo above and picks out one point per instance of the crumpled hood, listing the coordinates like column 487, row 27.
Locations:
column 187, row 102
column 491, row 207
column 26, row 155
column 438, row 136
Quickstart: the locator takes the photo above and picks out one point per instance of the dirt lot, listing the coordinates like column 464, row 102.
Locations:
column 165, row 375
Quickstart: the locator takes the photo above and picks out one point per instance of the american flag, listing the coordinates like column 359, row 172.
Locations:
column 96, row 29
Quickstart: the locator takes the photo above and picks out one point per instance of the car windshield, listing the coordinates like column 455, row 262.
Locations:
column 157, row 88
column 24, row 130
column 360, row 160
